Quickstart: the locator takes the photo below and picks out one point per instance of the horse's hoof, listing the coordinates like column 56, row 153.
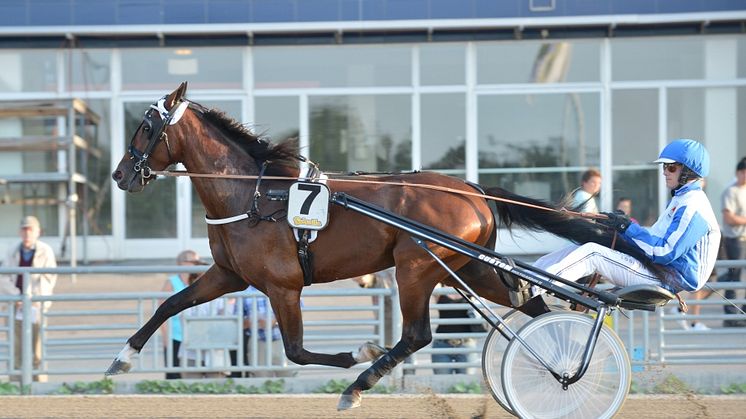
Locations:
column 118, row 367
column 349, row 401
column 369, row 351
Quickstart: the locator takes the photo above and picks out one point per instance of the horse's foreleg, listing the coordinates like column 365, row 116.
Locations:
column 214, row 283
column 286, row 306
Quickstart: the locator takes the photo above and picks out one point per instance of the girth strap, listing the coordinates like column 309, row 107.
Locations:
column 305, row 257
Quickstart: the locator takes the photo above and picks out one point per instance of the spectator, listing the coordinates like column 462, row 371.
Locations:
column 34, row 253
column 734, row 232
column 584, row 198
column 174, row 284
column 624, row 205
column 278, row 356
column 445, row 312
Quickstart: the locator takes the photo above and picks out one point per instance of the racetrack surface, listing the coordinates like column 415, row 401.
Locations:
column 324, row 406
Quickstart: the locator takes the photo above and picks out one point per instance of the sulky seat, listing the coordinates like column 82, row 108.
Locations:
column 642, row 296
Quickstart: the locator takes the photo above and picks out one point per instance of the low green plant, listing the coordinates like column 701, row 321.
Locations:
column 671, row 385
column 734, row 389
column 105, row 386
column 634, row 388
column 338, row 386
column 466, row 388
column 382, row 389
column 333, row 387
column 8, row 389
column 272, row 387
column 227, row 387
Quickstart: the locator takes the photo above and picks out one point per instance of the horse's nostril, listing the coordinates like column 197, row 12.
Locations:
column 117, row 175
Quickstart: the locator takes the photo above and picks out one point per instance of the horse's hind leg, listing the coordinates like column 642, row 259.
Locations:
column 212, row 284
column 416, row 334
column 483, row 279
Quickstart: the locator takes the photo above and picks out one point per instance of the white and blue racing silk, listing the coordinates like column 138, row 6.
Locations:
column 686, row 237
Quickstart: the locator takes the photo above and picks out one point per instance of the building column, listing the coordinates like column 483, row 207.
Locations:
column 720, row 116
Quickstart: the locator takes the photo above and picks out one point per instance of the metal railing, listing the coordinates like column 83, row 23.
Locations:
column 81, row 333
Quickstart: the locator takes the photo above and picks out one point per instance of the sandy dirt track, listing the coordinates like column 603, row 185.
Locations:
column 324, row 406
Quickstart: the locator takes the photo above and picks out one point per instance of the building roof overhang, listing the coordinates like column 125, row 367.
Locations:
column 379, row 31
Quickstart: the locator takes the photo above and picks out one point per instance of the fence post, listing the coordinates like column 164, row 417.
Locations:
column 26, row 334
column 661, row 335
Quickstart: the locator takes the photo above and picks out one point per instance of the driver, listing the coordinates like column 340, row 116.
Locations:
column 684, row 239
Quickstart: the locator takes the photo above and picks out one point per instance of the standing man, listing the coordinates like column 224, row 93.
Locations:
column 31, row 252
column 734, row 232
column 445, row 312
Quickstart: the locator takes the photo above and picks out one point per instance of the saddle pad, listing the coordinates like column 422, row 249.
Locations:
column 310, row 173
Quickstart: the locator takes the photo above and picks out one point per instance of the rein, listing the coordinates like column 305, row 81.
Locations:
column 183, row 173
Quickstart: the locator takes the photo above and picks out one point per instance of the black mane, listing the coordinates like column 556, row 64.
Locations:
column 283, row 156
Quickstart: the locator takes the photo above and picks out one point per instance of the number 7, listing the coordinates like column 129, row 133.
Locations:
column 314, row 192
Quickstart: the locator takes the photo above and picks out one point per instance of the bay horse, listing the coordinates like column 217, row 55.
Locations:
column 264, row 253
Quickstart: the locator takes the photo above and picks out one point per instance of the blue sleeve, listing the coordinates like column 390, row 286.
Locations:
column 681, row 235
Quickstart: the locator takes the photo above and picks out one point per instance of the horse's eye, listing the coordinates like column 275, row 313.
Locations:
column 146, row 128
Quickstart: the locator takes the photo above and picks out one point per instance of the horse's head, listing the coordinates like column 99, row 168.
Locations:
column 145, row 152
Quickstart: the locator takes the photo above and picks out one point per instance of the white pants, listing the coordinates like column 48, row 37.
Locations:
column 574, row 262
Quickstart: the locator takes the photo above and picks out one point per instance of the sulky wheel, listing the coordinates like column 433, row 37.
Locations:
column 492, row 356
column 560, row 339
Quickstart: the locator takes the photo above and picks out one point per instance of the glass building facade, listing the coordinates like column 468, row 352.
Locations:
column 526, row 115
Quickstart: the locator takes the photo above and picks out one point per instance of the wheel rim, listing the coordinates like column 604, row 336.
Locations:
column 492, row 356
column 560, row 339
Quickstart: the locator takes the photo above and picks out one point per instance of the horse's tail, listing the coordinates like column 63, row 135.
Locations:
column 563, row 224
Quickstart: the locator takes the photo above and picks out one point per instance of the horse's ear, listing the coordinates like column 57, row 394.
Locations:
column 176, row 96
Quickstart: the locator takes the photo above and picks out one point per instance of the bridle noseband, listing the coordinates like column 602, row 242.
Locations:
column 157, row 130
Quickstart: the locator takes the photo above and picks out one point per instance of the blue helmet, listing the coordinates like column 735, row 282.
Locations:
column 690, row 153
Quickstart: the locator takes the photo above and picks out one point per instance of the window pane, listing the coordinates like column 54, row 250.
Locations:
column 634, row 126
column 741, row 118
column 99, row 172
column 741, row 56
column 231, row 108
column 553, row 186
column 165, row 68
column 443, row 139
column 545, row 130
column 277, row 117
column 152, row 212
column 641, row 186
column 89, row 69
column 199, row 226
column 366, row 133
column 534, row 62
column 686, row 113
column 712, row 116
column 656, row 58
column 28, row 71
column 332, row 66
column 442, row 64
